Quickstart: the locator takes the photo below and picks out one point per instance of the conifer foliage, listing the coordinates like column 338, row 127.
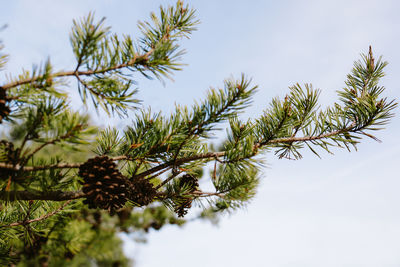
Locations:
column 4, row 109
column 63, row 206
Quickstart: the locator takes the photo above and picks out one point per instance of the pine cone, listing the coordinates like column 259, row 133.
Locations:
column 185, row 203
column 4, row 109
column 190, row 181
column 182, row 208
column 104, row 185
column 141, row 191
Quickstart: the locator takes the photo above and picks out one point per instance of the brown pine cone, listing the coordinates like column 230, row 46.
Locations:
column 104, row 185
column 183, row 204
column 182, row 208
column 189, row 181
column 141, row 191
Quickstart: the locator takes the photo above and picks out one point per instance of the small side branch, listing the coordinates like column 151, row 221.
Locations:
column 307, row 138
column 176, row 173
column 178, row 162
column 208, row 194
column 26, row 222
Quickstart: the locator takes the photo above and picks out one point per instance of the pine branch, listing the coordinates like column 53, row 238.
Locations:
column 50, row 142
column 26, row 222
column 69, row 196
column 309, row 138
column 235, row 98
column 179, row 161
column 140, row 60
column 173, row 175
column 38, row 195
column 208, row 194
column 137, row 60
column 18, row 167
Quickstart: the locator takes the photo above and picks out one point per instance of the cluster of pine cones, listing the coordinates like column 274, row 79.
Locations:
column 106, row 188
column 4, row 109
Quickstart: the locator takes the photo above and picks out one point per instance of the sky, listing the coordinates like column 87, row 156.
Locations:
column 341, row 210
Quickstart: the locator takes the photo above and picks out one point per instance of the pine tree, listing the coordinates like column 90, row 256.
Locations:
column 67, row 187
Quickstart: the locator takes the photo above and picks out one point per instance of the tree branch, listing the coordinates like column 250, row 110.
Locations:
column 310, row 138
column 26, row 222
column 136, row 60
column 47, row 167
column 61, row 196
column 208, row 194
column 197, row 129
column 39, row 195
column 180, row 160
column 174, row 174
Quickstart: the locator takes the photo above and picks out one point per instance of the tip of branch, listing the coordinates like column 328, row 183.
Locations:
column 371, row 57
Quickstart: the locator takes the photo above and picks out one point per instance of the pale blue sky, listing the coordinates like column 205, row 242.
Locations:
column 342, row 210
